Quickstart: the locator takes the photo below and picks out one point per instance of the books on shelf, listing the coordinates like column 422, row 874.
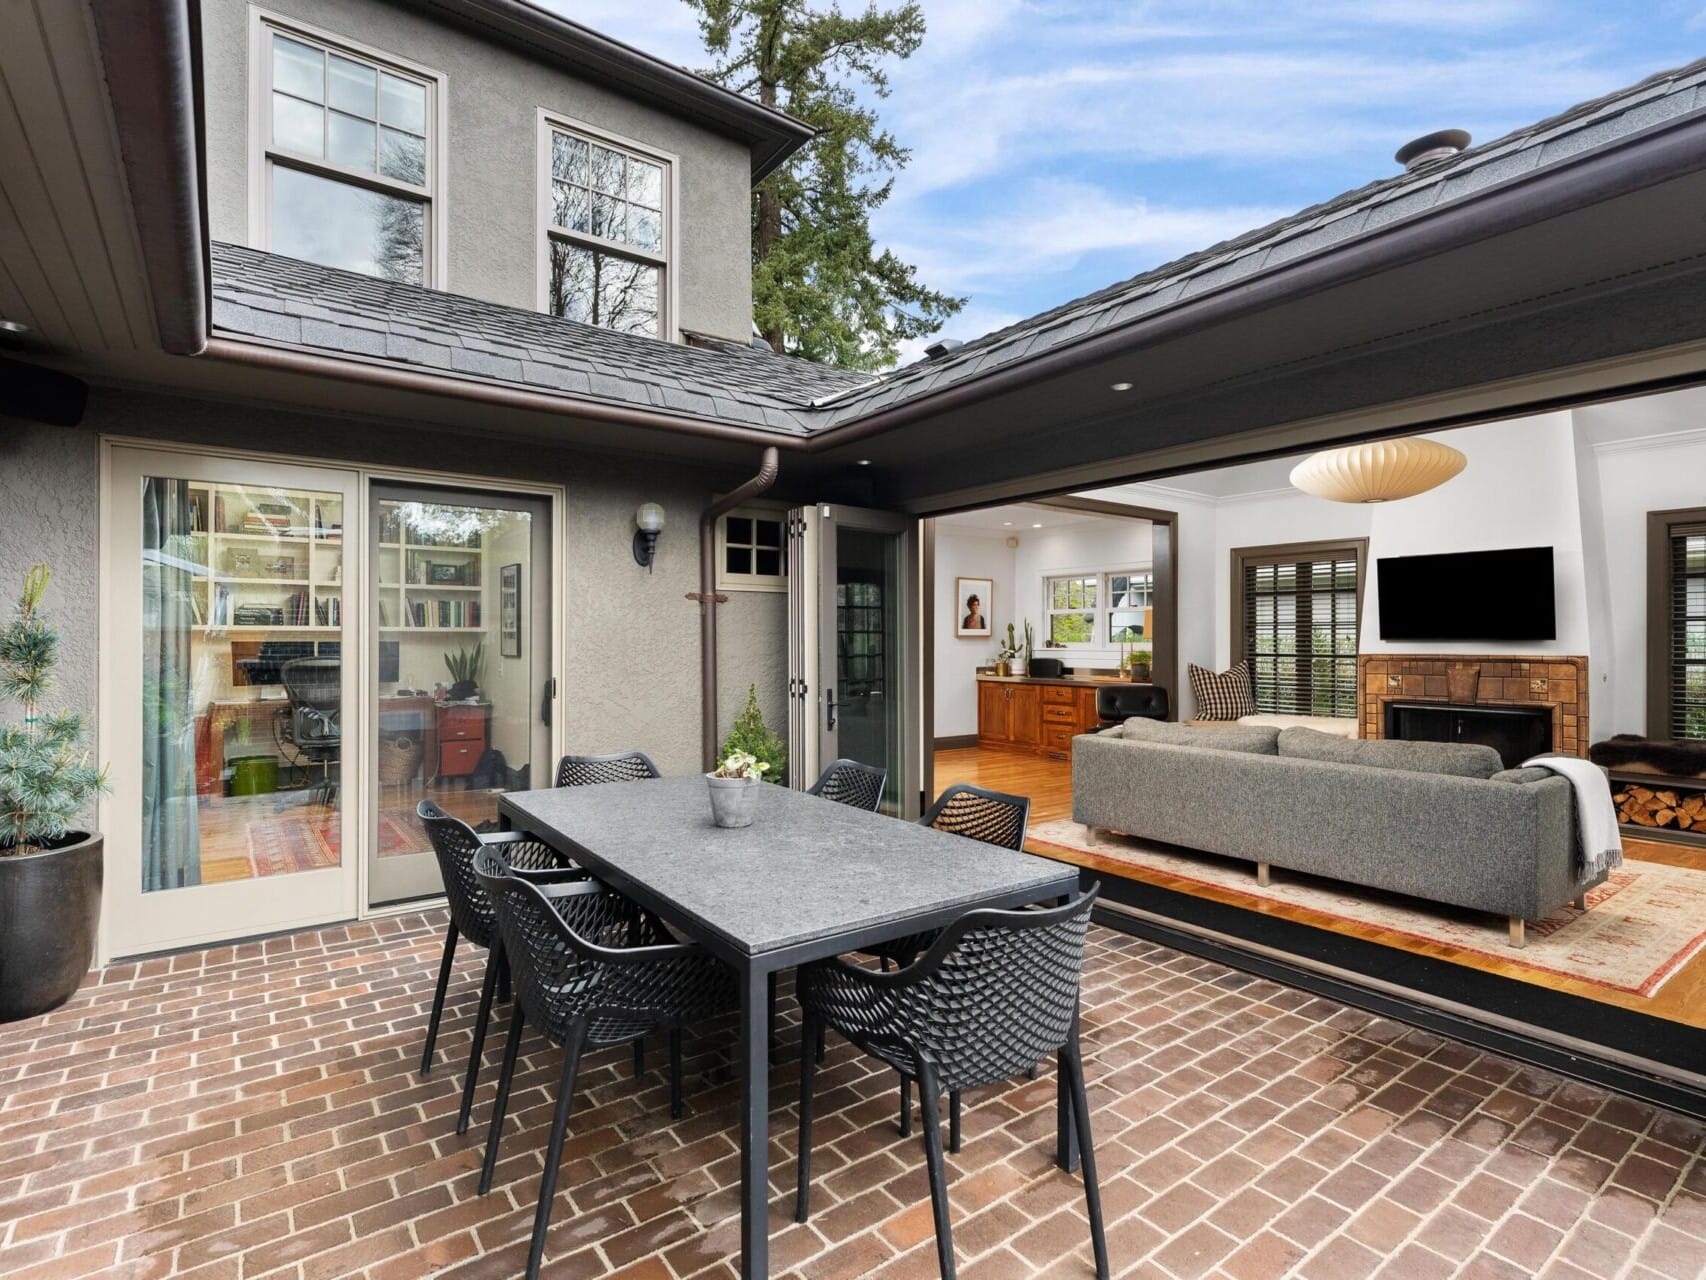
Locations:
column 443, row 613
column 330, row 612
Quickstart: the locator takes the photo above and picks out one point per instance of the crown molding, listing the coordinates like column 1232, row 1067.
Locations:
column 1641, row 444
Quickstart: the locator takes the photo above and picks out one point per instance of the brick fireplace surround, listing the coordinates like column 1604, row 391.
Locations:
column 1486, row 680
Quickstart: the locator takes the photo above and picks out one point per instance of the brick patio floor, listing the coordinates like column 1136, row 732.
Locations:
column 256, row 1111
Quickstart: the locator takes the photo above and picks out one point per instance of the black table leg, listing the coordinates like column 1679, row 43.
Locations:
column 1065, row 1130
column 755, row 1125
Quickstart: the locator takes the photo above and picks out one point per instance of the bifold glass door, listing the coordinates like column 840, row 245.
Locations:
column 460, row 650
column 853, row 589
column 224, row 679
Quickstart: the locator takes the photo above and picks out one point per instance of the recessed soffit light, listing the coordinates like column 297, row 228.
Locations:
column 13, row 326
column 863, row 462
column 1121, row 386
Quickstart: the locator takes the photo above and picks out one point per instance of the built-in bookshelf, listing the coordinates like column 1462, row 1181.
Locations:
column 427, row 583
column 272, row 560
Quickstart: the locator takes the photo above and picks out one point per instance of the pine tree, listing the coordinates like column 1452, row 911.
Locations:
column 752, row 735
column 46, row 778
column 820, row 289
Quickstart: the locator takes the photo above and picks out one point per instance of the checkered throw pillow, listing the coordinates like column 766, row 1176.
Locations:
column 1222, row 696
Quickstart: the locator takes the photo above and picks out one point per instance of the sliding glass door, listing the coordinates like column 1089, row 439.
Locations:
column 460, row 648
column 225, row 678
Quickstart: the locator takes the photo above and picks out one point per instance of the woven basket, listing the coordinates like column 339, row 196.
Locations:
column 399, row 759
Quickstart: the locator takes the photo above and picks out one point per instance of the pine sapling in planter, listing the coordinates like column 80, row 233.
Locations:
column 50, row 873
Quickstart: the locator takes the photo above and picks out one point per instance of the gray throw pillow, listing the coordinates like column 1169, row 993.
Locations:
column 1255, row 739
column 1459, row 759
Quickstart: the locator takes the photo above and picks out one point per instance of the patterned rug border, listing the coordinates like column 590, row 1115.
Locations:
column 1619, row 881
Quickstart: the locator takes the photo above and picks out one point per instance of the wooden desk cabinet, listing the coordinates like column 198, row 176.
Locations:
column 1035, row 715
column 464, row 732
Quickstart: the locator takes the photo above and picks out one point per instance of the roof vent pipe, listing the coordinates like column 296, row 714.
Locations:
column 1439, row 145
column 942, row 347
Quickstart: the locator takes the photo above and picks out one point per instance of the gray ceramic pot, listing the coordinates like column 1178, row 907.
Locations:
column 733, row 800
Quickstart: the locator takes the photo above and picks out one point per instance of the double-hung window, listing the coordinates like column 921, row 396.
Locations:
column 1102, row 609
column 606, row 254
column 347, row 173
column 1131, row 601
column 1296, row 615
column 1071, row 607
column 1676, row 624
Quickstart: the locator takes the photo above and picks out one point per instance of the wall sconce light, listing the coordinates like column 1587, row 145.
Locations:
column 648, row 523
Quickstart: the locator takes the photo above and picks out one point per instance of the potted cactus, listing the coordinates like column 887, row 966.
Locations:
column 50, row 872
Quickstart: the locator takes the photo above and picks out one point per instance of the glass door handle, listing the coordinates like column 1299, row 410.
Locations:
column 546, row 697
column 829, row 705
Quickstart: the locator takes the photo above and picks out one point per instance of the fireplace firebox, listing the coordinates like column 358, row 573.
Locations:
column 1516, row 733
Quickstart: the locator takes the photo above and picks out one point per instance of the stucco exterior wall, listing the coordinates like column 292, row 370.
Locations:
column 630, row 658
column 490, row 197
column 48, row 510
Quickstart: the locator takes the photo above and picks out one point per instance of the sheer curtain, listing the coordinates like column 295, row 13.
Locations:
column 171, row 834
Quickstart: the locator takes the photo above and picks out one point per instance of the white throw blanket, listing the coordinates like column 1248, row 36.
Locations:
column 1596, row 815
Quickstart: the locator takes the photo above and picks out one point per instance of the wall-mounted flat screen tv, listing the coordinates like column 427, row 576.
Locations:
column 1470, row 595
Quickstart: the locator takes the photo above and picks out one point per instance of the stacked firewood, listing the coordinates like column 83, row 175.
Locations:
column 1642, row 806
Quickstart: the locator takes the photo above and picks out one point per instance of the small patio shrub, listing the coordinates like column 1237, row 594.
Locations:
column 46, row 778
column 750, row 735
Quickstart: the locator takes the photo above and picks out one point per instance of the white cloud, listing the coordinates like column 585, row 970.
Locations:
column 1046, row 226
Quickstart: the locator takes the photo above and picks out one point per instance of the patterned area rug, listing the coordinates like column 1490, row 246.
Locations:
column 287, row 842
column 1640, row 927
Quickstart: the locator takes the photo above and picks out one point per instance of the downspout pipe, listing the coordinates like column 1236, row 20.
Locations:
column 768, row 468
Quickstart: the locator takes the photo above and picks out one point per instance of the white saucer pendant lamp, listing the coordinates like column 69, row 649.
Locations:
column 1380, row 471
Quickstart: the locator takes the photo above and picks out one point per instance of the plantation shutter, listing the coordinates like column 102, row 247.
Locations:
column 1300, row 631
column 1686, row 645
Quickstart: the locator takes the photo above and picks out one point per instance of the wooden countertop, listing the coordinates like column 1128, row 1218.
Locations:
column 1080, row 682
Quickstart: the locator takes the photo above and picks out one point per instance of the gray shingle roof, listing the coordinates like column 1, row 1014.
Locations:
column 279, row 299
column 1657, row 100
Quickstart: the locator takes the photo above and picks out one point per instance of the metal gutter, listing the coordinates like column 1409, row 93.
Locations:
column 149, row 50
column 375, row 374
column 1670, row 151
column 708, row 598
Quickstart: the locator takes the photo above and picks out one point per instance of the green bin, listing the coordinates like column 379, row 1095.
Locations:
column 254, row 775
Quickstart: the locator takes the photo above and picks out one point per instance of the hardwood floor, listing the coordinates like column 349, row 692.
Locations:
column 245, row 837
column 1049, row 785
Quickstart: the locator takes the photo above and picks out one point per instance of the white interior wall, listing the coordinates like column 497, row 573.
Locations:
column 1091, row 547
column 1636, row 473
column 1519, row 489
column 966, row 553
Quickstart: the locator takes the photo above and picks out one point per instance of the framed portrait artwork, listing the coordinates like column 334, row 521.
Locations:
column 509, row 610
column 974, row 602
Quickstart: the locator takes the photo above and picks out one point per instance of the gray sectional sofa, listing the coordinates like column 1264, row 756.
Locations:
column 1440, row 821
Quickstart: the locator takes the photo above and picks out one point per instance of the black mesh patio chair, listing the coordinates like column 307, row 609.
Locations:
column 592, row 771
column 591, row 969
column 455, row 844
column 587, row 771
column 995, row 994
column 993, row 817
column 849, row 782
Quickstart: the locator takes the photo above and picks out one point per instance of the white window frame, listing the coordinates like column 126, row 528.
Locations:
column 667, row 262
column 1101, row 626
column 727, row 581
column 1108, row 611
column 1094, row 610
column 263, row 156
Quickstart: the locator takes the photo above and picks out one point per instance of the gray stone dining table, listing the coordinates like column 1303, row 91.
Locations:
column 808, row 879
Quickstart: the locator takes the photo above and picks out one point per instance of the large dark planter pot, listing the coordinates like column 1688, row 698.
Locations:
column 50, row 909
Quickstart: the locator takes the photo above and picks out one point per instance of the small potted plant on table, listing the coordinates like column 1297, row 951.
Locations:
column 464, row 667
column 734, row 789
column 50, row 874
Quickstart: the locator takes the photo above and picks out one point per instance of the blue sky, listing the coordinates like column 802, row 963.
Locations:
column 1061, row 145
